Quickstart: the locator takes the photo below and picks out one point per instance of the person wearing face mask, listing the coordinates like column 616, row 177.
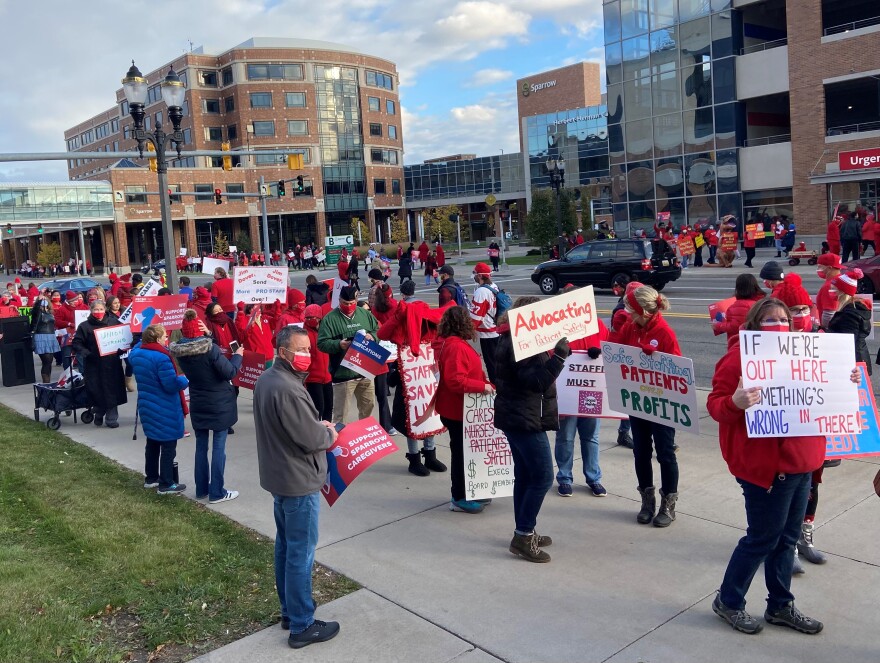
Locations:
column 829, row 268
column 484, row 311
column 747, row 294
column 711, row 236
column 853, row 315
column 649, row 331
column 222, row 330
column 779, row 232
column 293, row 314
column 772, row 275
column 335, row 334
column 318, row 383
column 105, row 377
column 792, row 293
column 257, row 335
column 45, row 344
column 222, row 291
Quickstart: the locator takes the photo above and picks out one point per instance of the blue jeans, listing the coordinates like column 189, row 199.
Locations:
column 532, row 474
column 412, row 444
column 210, row 482
column 296, row 522
column 588, row 431
column 774, row 524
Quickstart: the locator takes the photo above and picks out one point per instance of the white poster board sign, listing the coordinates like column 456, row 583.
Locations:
column 80, row 317
column 150, row 289
column 805, row 384
column 259, row 285
column 338, row 285
column 488, row 463
column 111, row 339
column 581, row 390
column 419, row 379
column 183, row 251
column 539, row 326
column 658, row 387
column 210, row 264
column 233, row 249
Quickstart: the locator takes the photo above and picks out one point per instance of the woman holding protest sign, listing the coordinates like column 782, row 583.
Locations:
column 105, row 378
column 257, row 335
column 649, row 331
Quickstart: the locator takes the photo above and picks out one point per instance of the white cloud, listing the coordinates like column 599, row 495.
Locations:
column 484, row 77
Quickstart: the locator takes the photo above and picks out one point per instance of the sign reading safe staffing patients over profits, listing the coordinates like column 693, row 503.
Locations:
column 538, row 327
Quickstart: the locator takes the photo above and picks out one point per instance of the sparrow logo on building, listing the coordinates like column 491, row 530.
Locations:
column 527, row 88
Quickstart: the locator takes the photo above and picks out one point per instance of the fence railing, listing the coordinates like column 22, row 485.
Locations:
column 853, row 128
column 855, row 25
column 767, row 140
column 763, row 46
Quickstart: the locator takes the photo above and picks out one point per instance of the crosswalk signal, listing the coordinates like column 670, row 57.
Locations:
column 227, row 160
column 8, row 228
column 281, row 191
column 40, row 228
column 154, row 163
column 300, row 187
column 218, row 197
column 294, row 161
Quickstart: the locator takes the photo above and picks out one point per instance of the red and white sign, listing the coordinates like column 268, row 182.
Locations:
column 539, row 326
column 419, row 389
column 252, row 366
column 359, row 445
column 166, row 311
column 259, row 285
column 859, row 159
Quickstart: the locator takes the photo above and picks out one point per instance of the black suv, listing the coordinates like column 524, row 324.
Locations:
column 597, row 263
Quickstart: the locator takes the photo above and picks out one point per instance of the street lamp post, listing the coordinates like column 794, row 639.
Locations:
column 556, row 170
column 173, row 93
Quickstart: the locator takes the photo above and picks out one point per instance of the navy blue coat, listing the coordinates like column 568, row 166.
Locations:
column 159, row 407
column 212, row 400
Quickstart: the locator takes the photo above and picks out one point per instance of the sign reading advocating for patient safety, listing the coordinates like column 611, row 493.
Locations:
column 259, row 285
column 359, row 445
column 805, row 384
column 657, row 387
column 867, row 441
column 488, row 463
column 539, row 326
column 581, row 390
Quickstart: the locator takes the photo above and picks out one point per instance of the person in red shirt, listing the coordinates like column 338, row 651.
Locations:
column 580, row 236
column 7, row 310
column 222, row 291
column 747, row 293
column 32, row 293
column 423, row 252
column 832, row 235
column 779, row 232
column 749, row 246
column 258, row 335
column 201, row 302
column 319, row 383
column 649, row 331
column 221, row 328
column 829, row 268
column 711, row 236
column 294, row 313
column 182, row 263
column 440, row 255
column 869, row 230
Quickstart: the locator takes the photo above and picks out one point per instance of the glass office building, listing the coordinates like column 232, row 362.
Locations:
column 436, row 181
column 674, row 124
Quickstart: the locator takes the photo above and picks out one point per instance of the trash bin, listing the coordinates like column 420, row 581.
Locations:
column 17, row 363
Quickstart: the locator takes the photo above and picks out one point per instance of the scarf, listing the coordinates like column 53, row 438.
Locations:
column 155, row 347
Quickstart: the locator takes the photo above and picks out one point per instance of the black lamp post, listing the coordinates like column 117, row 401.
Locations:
column 556, row 170
column 173, row 93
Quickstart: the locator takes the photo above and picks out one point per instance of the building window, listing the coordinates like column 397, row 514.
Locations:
column 174, row 193
column 268, row 159
column 136, row 195
column 213, row 133
column 226, row 74
column 392, row 132
column 379, row 187
column 235, row 187
column 285, row 72
column 295, row 99
column 154, row 94
column 305, row 151
column 231, row 132
column 214, row 162
column 261, row 99
column 123, row 109
column 229, row 104
column 264, row 128
column 373, row 103
column 297, row 128
column 388, row 157
column 187, row 136
column 379, row 79
column 211, row 105
column 395, row 187
column 208, row 78
column 204, row 192
column 375, row 129
column 390, row 107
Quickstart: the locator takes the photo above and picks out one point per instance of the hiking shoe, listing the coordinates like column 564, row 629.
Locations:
column 624, row 439
column 151, row 484
column 173, row 489
column 797, row 568
column 598, row 489
column 790, row 616
column 564, row 489
column 738, row 619
column 230, row 495
column 526, row 546
column 805, row 546
column 318, row 632
column 544, row 541
column 467, row 506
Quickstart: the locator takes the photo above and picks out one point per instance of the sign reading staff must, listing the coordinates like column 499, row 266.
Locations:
column 537, row 327
column 657, row 387
column 804, row 381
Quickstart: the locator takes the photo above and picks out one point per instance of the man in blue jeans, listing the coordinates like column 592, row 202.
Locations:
column 587, row 429
column 291, row 452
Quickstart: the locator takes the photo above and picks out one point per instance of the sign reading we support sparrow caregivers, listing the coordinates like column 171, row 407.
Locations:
column 111, row 339
column 359, row 445
column 658, row 387
column 488, row 463
column 166, row 311
column 259, row 285
column 867, row 441
column 252, row 366
column 365, row 357
column 805, row 384
column 581, row 390
column 419, row 388
column 539, row 326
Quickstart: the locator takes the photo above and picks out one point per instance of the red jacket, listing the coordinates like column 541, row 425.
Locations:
column 288, row 317
column 756, row 460
column 594, row 341
column 833, row 234
column 221, row 291
column 461, row 372
column 657, row 335
column 441, row 256
column 868, row 232
column 735, row 317
column 711, row 237
column 319, row 369
column 258, row 338
column 423, row 252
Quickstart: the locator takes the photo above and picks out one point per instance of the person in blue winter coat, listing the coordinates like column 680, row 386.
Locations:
column 161, row 407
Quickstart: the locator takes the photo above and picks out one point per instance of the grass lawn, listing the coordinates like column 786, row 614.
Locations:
column 95, row 568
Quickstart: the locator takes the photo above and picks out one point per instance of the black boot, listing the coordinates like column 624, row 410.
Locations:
column 649, row 505
column 624, row 439
column 415, row 465
column 666, row 512
column 431, row 461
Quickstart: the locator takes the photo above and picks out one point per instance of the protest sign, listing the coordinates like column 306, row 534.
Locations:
column 359, row 445
column 804, row 381
column 80, row 317
column 488, row 463
column 252, row 366
column 111, row 339
column 338, row 285
column 664, row 217
column 392, row 348
column 581, row 390
column 365, row 357
column 419, row 389
column 210, row 264
column 183, row 251
column 537, row 327
column 686, row 246
column 150, row 288
column 754, row 231
column 699, row 241
column 728, row 241
column 720, row 307
column 867, row 441
column 335, row 245
column 658, row 387
column 166, row 311
column 233, row 249
column 259, row 285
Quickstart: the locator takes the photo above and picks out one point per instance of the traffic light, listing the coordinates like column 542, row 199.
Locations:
column 227, row 161
column 40, row 228
column 281, row 191
column 154, row 163
column 170, row 196
column 294, row 161
column 299, row 184
column 218, row 197
column 8, row 228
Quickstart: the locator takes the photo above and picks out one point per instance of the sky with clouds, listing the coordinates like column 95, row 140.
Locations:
column 457, row 61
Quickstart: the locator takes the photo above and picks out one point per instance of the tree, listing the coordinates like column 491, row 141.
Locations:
column 49, row 254
column 541, row 219
column 399, row 231
column 221, row 244
column 438, row 224
column 243, row 242
column 365, row 237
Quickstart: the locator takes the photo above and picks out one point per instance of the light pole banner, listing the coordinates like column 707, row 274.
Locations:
column 210, row 264
column 581, row 390
column 804, row 381
column 658, row 387
column 259, row 285
column 488, row 463
column 537, row 327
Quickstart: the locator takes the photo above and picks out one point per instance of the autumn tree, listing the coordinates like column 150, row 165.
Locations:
column 49, row 254
column 365, row 237
column 438, row 224
column 221, row 244
column 399, row 231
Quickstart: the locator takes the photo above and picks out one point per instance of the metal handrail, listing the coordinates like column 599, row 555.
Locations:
column 855, row 25
column 768, row 140
column 853, row 128
column 763, row 46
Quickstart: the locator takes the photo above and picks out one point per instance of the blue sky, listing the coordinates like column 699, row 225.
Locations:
column 458, row 61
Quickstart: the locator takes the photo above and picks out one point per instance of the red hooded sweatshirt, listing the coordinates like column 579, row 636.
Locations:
column 461, row 372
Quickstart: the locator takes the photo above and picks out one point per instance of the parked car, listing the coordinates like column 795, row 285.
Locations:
column 596, row 263
column 80, row 284
column 869, row 284
column 159, row 264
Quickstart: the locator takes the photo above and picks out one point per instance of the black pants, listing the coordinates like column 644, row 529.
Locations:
column 456, row 449
column 494, row 264
column 381, row 386
column 849, row 247
column 698, row 257
column 866, row 243
column 647, row 437
column 322, row 397
column 712, row 251
column 750, row 254
column 159, row 455
column 487, row 348
column 46, row 366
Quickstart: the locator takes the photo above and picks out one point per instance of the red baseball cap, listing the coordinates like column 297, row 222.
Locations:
column 482, row 268
column 830, row 260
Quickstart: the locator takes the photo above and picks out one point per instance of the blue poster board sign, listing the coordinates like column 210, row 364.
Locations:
column 866, row 443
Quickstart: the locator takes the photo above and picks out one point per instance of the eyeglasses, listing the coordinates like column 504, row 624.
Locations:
column 774, row 321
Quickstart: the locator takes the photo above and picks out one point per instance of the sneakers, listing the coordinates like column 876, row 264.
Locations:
column 624, row 439
column 790, row 616
column 467, row 506
column 598, row 489
column 805, row 546
column 230, row 495
column 797, row 568
column 392, row 431
column 527, row 547
column 564, row 489
column 151, row 484
column 173, row 489
column 318, row 632
column 738, row 619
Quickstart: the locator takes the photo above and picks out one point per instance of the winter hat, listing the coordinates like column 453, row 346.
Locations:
column 71, row 296
column 632, row 285
column 446, row 269
column 202, row 293
column 191, row 327
column 482, row 268
column 831, row 260
column 126, row 276
column 792, row 293
column 771, row 271
column 113, row 277
column 374, row 274
column 848, row 282
column 295, row 297
column 314, row 311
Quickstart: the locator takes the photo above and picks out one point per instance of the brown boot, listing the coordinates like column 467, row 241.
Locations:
column 129, row 383
column 526, row 546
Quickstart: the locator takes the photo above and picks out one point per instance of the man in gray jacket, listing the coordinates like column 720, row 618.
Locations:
column 291, row 446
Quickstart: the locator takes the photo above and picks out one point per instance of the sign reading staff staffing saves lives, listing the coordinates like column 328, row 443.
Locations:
column 657, row 387
column 539, row 326
column 805, row 384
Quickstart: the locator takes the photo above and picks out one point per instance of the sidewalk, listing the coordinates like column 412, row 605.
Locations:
column 441, row 586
